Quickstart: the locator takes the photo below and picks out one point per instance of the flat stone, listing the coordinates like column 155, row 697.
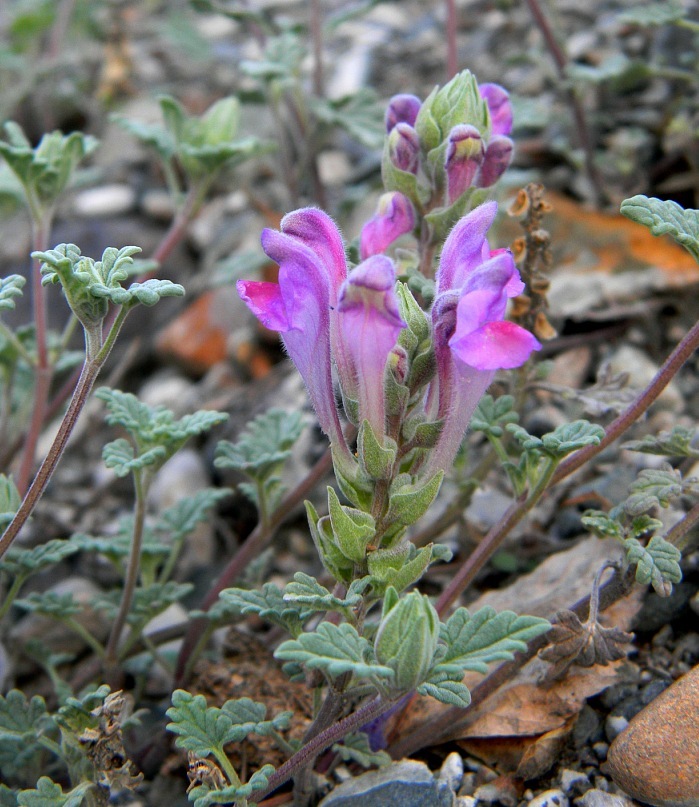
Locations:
column 600, row 798
column 656, row 759
column 401, row 784
column 550, row 798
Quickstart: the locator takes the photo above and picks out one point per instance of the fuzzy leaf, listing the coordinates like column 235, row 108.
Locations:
column 400, row 566
column 264, row 445
column 356, row 748
column 453, row 693
column 183, row 517
column 203, row 797
column 334, row 649
column 665, row 218
column 306, row 590
column 654, row 15
column 675, row 443
column 10, row 287
column 408, row 502
column 376, row 458
column 49, row 603
column 351, row 528
column 268, row 604
column 359, row 114
column 201, row 728
column 24, row 562
column 603, row 525
column 657, row 563
column 475, row 640
column 492, row 414
column 8, row 798
column 49, row 794
column 21, row 718
column 119, row 455
column 654, row 487
column 77, row 714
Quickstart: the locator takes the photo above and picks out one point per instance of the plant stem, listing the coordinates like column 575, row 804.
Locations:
column 88, row 375
column 487, row 547
column 84, row 634
column 131, row 579
column 678, row 534
column 251, row 546
column 316, row 27
column 583, row 132
column 11, row 595
column 450, row 36
column 41, row 227
column 365, row 714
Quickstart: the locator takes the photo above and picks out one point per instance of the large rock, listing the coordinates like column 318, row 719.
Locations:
column 401, row 784
column 656, row 759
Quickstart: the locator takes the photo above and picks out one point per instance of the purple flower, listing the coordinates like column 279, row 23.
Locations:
column 402, row 108
column 471, row 337
column 498, row 101
column 311, row 267
column 497, row 158
column 394, row 217
column 370, row 322
column 465, row 153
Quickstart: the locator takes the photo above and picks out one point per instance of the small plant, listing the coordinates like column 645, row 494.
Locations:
column 397, row 337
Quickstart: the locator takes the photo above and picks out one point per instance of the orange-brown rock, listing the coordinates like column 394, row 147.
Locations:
column 656, row 759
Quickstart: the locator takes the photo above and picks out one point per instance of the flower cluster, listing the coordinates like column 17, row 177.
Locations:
column 409, row 379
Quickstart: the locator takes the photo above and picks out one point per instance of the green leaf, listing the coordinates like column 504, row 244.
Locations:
column 657, row 563
column 25, row 562
column 570, row 437
column 654, row 15
column 120, row 456
column 268, row 604
column 306, row 590
column 49, row 603
column 148, row 601
column 359, row 114
column 400, row 566
column 408, row 501
column 203, row 797
column 665, row 218
column 376, row 458
column 603, row 525
column 77, row 714
column 355, row 747
column 334, row 649
column 352, row 528
column 205, row 729
column 493, row 414
column 49, row 794
column 265, row 444
column 475, row 640
column 654, row 487
column 675, row 443
column 183, row 517
column 10, row 287
column 22, row 719
column 453, row 693
column 8, row 798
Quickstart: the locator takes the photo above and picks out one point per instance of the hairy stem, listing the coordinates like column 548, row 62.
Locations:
column 365, row 714
column 88, row 376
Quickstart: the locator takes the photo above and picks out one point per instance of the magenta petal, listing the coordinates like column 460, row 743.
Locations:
column 494, row 346
column 394, row 217
column 465, row 152
column 316, row 230
column 463, row 249
column 500, row 108
column 404, row 148
column 266, row 303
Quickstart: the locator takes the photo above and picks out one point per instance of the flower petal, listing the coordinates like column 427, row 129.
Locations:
column 494, row 346
column 500, row 108
column 463, row 249
column 402, row 108
column 266, row 303
column 394, row 217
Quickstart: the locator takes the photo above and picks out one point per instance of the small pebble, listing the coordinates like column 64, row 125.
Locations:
column 109, row 200
column 601, row 750
column 614, row 725
column 550, row 798
column 465, row 801
column 655, row 759
column 573, row 782
column 452, row 771
column 500, row 791
column 600, row 798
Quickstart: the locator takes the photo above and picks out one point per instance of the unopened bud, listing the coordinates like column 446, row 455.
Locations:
column 402, row 108
column 404, row 148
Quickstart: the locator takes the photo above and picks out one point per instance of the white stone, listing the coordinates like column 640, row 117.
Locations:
column 550, row 798
column 452, row 770
column 107, row 200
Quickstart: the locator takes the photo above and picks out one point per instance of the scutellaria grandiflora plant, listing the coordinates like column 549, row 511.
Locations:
column 397, row 353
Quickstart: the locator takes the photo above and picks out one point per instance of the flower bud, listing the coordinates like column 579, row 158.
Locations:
column 394, row 217
column 402, row 108
column 498, row 156
column 499, row 106
column 404, row 148
column 406, row 640
column 465, row 152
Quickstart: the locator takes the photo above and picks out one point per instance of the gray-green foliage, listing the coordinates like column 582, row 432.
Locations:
column 665, row 218
column 50, row 794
